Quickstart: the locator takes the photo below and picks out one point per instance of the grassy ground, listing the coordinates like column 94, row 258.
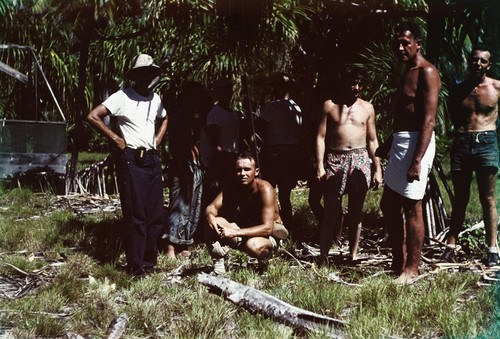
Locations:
column 73, row 262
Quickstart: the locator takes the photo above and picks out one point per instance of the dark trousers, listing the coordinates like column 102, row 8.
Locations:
column 141, row 195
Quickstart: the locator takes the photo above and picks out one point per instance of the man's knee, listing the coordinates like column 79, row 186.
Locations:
column 488, row 202
column 223, row 222
column 412, row 209
column 259, row 247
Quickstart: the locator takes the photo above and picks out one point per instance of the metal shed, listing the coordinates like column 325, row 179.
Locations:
column 31, row 145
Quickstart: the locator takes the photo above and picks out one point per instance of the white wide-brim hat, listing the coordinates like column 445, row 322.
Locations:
column 143, row 63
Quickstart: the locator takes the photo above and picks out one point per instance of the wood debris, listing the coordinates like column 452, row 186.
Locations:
column 97, row 179
column 117, row 327
column 257, row 301
column 375, row 256
column 87, row 204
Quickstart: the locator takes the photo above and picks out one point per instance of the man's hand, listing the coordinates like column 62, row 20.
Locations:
column 377, row 180
column 212, row 223
column 120, row 143
column 414, row 172
column 226, row 232
column 320, row 173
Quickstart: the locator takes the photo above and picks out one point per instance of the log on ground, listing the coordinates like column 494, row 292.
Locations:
column 268, row 305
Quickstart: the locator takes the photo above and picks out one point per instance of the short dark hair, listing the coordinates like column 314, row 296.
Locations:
column 247, row 155
column 412, row 27
column 353, row 72
column 482, row 48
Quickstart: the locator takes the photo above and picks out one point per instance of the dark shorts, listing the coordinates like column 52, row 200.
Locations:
column 280, row 165
column 348, row 171
column 473, row 150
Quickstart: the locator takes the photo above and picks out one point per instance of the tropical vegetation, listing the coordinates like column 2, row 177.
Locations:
column 85, row 46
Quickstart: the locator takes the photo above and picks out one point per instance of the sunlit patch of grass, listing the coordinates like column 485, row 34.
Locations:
column 214, row 317
column 23, row 203
column 432, row 308
column 492, row 327
column 257, row 326
column 41, row 314
column 16, row 264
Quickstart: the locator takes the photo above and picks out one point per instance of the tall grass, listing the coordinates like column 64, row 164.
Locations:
column 88, row 288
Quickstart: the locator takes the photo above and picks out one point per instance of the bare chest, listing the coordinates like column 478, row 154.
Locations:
column 408, row 89
column 353, row 115
column 482, row 100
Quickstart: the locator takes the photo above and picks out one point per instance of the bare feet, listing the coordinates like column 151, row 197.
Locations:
column 170, row 251
column 397, row 267
column 406, row 278
column 354, row 256
column 184, row 254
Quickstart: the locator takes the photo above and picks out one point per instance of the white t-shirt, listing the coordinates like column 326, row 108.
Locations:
column 136, row 116
column 229, row 127
column 284, row 121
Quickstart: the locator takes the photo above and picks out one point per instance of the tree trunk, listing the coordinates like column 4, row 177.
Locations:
column 81, row 106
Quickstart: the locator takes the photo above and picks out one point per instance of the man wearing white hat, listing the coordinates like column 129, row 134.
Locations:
column 137, row 110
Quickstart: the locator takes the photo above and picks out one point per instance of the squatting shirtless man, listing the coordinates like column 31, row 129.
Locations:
column 245, row 216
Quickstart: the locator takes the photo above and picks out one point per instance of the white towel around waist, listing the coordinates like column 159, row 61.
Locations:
column 401, row 156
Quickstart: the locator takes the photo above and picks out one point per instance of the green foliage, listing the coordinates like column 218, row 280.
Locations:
column 493, row 330
column 10, row 265
column 34, row 315
column 86, row 56
column 91, row 293
column 411, row 310
column 87, row 159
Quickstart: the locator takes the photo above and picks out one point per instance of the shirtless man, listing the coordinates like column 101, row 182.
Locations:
column 412, row 153
column 349, row 124
column 474, row 112
column 245, row 216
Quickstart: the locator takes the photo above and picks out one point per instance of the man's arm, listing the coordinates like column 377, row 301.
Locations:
column 372, row 145
column 162, row 130
column 320, row 142
column 96, row 119
column 431, row 84
column 265, row 229
column 212, row 211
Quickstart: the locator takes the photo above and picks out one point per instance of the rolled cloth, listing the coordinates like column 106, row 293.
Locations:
column 401, row 155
